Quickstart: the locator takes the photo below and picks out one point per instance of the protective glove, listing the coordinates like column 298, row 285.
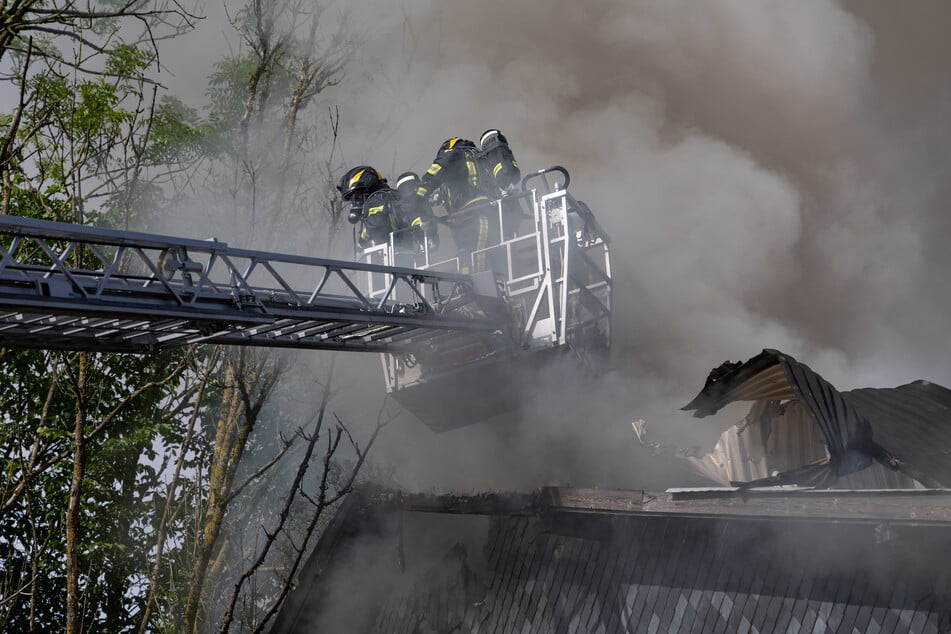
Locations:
column 426, row 236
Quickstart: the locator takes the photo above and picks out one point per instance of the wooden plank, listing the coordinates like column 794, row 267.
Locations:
column 910, row 506
column 904, row 506
column 593, row 499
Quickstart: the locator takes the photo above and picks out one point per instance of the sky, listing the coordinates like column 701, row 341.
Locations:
column 772, row 175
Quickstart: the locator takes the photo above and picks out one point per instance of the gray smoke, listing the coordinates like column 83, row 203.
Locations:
column 772, row 175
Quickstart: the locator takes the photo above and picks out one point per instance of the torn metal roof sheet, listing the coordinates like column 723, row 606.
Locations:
column 905, row 429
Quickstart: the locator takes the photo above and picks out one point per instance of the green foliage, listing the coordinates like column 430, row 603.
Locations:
column 122, row 480
column 49, row 204
column 89, row 147
column 86, row 138
column 178, row 135
column 82, row 140
column 127, row 60
column 228, row 86
column 230, row 94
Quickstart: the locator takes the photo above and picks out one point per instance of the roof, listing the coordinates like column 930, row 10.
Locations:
column 583, row 560
column 796, row 412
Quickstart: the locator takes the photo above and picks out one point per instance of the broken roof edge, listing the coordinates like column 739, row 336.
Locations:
column 904, row 429
column 721, row 379
column 915, row 506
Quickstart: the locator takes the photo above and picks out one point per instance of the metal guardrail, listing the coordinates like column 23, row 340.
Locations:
column 549, row 261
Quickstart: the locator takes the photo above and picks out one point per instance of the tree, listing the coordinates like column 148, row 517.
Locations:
column 101, row 454
column 282, row 539
column 74, row 149
column 72, row 438
column 79, row 67
column 258, row 94
column 261, row 93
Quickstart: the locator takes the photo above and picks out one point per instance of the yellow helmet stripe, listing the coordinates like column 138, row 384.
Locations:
column 356, row 178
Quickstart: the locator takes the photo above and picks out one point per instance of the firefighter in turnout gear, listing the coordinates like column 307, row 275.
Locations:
column 502, row 175
column 372, row 203
column 455, row 176
column 497, row 157
column 417, row 213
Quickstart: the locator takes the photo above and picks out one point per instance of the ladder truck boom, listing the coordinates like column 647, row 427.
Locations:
column 456, row 348
column 73, row 287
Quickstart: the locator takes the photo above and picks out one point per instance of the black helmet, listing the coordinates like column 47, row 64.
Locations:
column 362, row 178
column 358, row 183
column 454, row 142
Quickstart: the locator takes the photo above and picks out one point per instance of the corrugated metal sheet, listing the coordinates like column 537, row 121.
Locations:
column 760, row 378
column 792, row 439
column 798, row 418
column 913, row 422
column 768, row 384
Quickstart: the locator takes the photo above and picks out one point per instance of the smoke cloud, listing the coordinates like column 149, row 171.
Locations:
column 772, row 175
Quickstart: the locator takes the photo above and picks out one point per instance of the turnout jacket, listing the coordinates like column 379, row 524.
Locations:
column 455, row 173
column 381, row 215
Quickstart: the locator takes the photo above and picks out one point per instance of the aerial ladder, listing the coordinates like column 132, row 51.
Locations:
column 447, row 339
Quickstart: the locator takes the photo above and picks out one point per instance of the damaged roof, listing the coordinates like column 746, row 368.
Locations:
column 906, row 429
column 588, row 560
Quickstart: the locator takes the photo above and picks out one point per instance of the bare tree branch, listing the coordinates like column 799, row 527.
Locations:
column 288, row 502
column 323, row 502
column 170, row 493
column 260, row 471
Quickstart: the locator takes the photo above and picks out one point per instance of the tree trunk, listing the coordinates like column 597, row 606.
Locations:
column 250, row 385
column 73, row 513
column 163, row 528
column 211, row 526
column 117, row 569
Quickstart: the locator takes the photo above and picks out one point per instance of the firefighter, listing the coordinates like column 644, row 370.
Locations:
column 417, row 213
column 502, row 176
column 499, row 161
column 455, row 177
column 372, row 203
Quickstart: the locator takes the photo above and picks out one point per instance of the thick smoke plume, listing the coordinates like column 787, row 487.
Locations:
column 772, row 175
